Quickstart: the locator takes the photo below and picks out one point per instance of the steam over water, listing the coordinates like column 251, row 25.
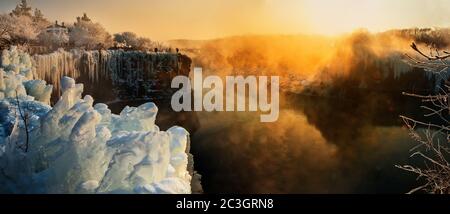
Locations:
column 344, row 137
column 316, row 146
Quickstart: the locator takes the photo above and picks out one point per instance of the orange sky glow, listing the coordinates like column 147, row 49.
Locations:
column 206, row 19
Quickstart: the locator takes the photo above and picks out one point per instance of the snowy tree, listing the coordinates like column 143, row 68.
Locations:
column 22, row 9
column 53, row 40
column 39, row 20
column 38, row 15
column 159, row 45
column 433, row 136
column 89, row 34
column 147, row 44
column 6, row 26
column 24, row 30
column 20, row 26
column 85, row 18
column 5, row 29
column 130, row 39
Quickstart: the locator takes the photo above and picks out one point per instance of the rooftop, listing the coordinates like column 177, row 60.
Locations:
column 56, row 25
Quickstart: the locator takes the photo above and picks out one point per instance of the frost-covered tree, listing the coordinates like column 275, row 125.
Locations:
column 131, row 40
column 6, row 26
column 159, row 46
column 5, row 29
column 23, row 30
column 147, row 44
column 38, row 15
column 432, row 136
column 53, row 40
column 21, row 26
column 39, row 20
column 88, row 34
column 22, row 9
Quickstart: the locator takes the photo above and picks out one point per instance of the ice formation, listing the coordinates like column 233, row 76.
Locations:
column 121, row 67
column 75, row 147
column 17, row 77
column 392, row 63
column 389, row 67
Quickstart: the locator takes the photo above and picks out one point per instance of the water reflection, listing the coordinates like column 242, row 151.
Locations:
column 317, row 146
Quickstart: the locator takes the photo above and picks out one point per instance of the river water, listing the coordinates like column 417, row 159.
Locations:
column 318, row 145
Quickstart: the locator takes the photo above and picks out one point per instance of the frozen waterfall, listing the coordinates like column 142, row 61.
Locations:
column 122, row 68
column 76, row 146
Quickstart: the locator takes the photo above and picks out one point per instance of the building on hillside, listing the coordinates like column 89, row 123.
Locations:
column 58, row 29
column 84, row 18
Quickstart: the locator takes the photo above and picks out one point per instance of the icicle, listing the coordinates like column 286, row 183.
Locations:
column 120, row 67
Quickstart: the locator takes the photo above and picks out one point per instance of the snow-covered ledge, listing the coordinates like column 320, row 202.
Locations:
column 76, row 147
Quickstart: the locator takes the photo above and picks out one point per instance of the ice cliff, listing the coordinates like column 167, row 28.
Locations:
column 128, row 73
column 78, row 147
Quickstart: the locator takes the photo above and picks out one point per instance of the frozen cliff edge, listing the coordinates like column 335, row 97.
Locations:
column 127, row 74
column 76, row 147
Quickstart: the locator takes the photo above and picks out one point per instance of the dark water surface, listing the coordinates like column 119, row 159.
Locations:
column 318, row 145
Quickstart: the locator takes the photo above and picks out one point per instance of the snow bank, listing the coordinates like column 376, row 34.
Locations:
column 76, row 147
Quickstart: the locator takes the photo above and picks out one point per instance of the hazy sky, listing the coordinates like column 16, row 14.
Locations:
column 202, row 19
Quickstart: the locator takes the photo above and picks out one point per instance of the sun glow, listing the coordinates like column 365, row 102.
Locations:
column 337, row 17
column 206, row 19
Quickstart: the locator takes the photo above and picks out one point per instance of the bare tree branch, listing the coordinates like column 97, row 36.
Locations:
column 24, row 117
column 436, row 171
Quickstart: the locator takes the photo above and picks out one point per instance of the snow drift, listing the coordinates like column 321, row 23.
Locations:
column 75, row 147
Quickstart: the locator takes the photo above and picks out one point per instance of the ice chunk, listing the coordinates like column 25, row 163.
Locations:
column 166, row 186
column 39, row 90
column 77, row 148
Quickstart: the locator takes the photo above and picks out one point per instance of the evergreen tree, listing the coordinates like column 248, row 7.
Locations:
column 38, row 16
column 22, row 9
column 85, row 18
